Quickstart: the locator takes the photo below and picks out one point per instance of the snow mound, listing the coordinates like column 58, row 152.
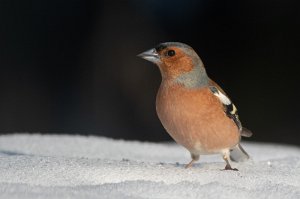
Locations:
column 61, row 166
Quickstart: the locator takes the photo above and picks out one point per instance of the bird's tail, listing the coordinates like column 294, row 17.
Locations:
column 246, row 132
column 238, row 154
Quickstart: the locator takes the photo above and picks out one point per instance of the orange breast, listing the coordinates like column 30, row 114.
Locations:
column 195, row 119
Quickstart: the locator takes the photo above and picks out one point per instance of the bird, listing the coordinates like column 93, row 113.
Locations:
column 194, row 109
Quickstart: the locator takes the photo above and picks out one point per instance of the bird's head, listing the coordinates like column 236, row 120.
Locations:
column 177, row 61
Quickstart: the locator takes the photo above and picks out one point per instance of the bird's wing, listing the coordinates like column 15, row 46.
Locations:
column 229, row 108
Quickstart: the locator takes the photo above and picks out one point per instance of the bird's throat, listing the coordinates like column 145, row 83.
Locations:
column 195, row 78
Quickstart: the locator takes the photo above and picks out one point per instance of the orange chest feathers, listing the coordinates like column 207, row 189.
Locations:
column 195, row 119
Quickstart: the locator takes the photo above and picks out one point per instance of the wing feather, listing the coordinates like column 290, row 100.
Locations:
column 230, row 110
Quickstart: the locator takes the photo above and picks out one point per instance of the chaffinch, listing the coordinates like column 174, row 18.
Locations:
column 193, row 109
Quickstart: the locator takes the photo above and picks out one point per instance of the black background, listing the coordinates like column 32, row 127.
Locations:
column 71, row 67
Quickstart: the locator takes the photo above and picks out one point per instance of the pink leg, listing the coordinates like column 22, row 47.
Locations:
column 194, row 159
column 226, row 158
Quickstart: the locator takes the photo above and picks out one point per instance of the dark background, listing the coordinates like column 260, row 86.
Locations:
column 70, row 66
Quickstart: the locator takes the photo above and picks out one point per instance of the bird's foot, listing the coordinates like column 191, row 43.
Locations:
column 228, row 167
column 189, row 165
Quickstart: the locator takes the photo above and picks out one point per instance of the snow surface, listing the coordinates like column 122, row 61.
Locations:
column 56, row 166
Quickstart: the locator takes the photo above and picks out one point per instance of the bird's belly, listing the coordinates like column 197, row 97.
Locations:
column 197, row 122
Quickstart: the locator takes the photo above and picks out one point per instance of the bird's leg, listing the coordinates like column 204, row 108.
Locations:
column 194, row 159
column 226, row 158
column 190, row 164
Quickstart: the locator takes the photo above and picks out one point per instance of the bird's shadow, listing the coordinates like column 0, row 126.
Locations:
column 11, row 153
column 182, row 165
column 202, row 165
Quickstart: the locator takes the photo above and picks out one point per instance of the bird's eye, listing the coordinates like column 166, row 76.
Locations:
column 171, row 53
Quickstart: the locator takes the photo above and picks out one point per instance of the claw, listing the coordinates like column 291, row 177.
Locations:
column 226, row 157
column 190, row 164
column 228, row 167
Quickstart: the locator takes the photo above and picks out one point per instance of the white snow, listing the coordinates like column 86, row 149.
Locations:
column 56, row 166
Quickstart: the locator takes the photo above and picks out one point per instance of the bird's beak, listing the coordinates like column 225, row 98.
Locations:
column 150, row 55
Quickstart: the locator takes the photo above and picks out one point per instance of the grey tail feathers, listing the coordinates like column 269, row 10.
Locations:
column 238, row 154
column 246, row 132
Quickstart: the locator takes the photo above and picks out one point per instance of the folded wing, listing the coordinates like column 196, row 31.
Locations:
column 230, row 110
